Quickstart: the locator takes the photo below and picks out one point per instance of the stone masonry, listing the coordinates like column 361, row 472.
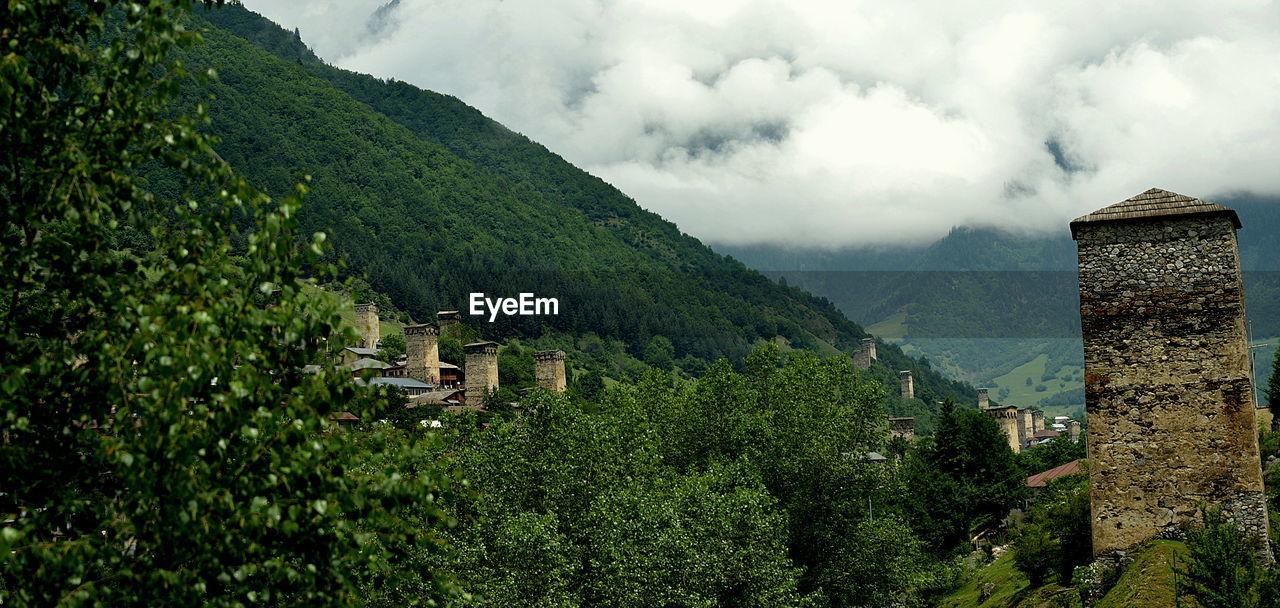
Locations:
column 1037, row 421
column 1167, row 388
column 1026, row 426
column 1007, row 417
column 903, row 427
column 984, row 399
column 367, row 324
column 549, row 370
column 422, row 353
column 481, row 370
column 906, row 385
column 867, row 354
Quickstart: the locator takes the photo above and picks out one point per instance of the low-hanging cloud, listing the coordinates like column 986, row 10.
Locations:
column 832, row 123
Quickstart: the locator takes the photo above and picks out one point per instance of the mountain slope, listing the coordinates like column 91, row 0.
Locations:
column 436, row 201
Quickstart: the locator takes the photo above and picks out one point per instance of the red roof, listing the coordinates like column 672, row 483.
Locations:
column 343, row 416
column 1045, row 433
column 1039, row 480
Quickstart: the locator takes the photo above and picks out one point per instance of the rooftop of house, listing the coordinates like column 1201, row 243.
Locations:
column 400, row 382
column 366, row 363
column 1039, row 480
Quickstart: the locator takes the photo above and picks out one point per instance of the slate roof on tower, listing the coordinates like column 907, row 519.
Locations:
column 1154, row 203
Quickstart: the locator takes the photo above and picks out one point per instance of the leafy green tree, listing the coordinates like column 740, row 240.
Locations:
column 1221, row 569
column 159, row 444
column 660, row 353
column 1035, row 553
column 965, row 479
column 392, row 347
column 1058, row 451
column 1058, row 536
column 451, row 351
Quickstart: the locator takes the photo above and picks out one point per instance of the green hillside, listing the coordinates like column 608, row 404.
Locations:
column 431, row 201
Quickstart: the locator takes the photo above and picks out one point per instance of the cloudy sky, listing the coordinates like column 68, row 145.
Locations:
column 843, row 123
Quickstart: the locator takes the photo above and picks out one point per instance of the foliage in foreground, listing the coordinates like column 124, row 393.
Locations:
column 740, row 489
column 158, row 443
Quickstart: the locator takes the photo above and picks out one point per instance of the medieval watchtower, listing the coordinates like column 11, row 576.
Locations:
column 481, row 370
column 866, row 354
column 907, row 386
column 1167, row 385
column 422, row 353
column 367, row 324
column 1007, row 417
column 549, row 370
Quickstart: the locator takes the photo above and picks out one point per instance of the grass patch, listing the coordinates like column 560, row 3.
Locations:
column 1148, row 581
column 1023, row 394
column 892, row 328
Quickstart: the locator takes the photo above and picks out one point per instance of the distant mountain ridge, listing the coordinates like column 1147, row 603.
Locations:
column 1001, row 309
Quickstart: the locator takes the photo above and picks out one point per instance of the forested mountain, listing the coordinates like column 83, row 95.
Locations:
column 431, row 200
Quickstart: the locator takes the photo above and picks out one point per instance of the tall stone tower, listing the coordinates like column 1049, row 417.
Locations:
column 866, row 354
column 1167, row 386
column 422, row 353
column 984, row 399
column 1007, row 417
column 1026, row 428
column 450, row 323
column 549, row 370
column 367, row 324
column 1037, row 421
column 481, row 370
column 907, row 386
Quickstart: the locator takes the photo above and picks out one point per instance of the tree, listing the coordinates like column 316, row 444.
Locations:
column 393, row 346
column 1035, row 553
column 1221, row 568
column 965, row 479
column 159, row 444
column 660, row 353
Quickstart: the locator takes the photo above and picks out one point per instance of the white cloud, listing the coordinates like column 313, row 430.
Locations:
column 836, row 123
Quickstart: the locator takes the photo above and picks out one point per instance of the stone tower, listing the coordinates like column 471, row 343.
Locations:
column 1007, row 417
column 903, row 427
column 422, row 352
column 1074, row 429
column 481, row 370
column 984, row 400
column 1026, row 427
column 367, row 324
column 866, row 354
column 449, row 322
column 549, row 370
column 1167, row 386
column 1037, row 421
column 908, row 387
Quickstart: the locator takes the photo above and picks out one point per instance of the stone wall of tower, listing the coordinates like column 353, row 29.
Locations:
column 1074, row 429
column 450, row 322
column 549, row 370
column 422, row 353
column 1171, row 424
column 866, row 354
column 1037, row 421
column 984, row 399
column 903, row 427
column 907, row 386
column 481, row 370
column 1007, row 416
column 1026, row 427
column 367, row 325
